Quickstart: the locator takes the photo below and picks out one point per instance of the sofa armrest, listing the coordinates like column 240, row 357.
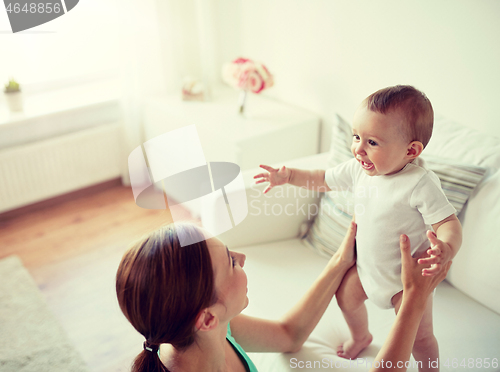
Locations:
column 279, row 214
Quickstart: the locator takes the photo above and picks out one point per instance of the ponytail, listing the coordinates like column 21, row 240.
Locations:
column 148, row 361
column 161, row 288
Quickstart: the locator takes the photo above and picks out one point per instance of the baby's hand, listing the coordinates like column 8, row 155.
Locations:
column 275, row 177
column 440, row 254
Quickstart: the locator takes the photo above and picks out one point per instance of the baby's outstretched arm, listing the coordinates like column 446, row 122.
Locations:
column 309, row 179
column 445, row 243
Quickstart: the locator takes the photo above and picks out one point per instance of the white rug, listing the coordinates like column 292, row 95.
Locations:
column 31, row 339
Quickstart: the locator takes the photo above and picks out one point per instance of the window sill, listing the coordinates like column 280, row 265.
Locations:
column 60, row 112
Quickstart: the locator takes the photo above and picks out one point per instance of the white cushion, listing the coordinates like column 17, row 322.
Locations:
column 475, row 268
column 455, row 141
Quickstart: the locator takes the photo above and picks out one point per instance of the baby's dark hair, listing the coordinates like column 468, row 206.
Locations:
column 412, row 103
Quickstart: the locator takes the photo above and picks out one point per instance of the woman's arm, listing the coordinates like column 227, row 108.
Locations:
column 289, row 333
column 416, row 289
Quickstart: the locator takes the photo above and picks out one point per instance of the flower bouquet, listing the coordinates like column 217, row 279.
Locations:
column 247, row 75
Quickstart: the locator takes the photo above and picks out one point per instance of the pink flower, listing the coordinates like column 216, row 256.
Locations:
column 245, row 74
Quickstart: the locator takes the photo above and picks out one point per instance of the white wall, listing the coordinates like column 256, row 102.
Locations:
column 327, row 55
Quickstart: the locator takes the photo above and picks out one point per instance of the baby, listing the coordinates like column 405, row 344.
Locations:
column 390, row 130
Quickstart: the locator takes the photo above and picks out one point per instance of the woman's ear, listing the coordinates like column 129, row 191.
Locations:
column 206, row 320
column 414, row 149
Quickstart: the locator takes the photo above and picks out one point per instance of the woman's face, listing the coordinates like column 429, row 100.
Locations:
column 230, row 279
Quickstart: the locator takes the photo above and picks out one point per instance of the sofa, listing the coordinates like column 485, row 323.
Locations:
column 281, row 267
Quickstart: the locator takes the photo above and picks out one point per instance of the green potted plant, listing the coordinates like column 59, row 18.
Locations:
column 14, row 95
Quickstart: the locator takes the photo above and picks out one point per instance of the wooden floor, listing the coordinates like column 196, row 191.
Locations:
column 72, row 249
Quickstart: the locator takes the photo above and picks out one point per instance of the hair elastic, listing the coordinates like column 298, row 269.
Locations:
column 150, row 347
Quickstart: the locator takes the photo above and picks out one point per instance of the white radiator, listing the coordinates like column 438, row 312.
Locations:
column 40, row 170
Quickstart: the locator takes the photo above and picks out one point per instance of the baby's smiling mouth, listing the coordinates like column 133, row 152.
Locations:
column 365, row 165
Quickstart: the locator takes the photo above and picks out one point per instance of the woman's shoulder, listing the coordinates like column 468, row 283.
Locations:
column 245, row 359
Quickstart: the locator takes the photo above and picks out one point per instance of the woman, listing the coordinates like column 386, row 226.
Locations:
column 189, row 300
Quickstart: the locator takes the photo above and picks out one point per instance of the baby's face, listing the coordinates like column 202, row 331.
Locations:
column 377, row 143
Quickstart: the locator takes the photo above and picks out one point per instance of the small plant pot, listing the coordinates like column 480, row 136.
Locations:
column 14, row 101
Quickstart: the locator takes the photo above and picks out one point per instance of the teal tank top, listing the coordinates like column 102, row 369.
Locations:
column 247, row 362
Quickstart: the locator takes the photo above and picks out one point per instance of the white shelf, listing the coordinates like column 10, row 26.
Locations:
column 268, row 132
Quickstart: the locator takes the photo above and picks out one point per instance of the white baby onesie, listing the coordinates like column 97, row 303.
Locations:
column 407, row 202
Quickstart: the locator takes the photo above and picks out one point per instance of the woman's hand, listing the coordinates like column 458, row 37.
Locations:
column 416, row 290
column 347, row 250
column 411, row 272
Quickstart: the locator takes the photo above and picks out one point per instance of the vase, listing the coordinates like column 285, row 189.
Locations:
column 14, row 101
column 243, row 98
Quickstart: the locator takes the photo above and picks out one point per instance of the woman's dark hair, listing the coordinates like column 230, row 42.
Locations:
column 162, row 287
